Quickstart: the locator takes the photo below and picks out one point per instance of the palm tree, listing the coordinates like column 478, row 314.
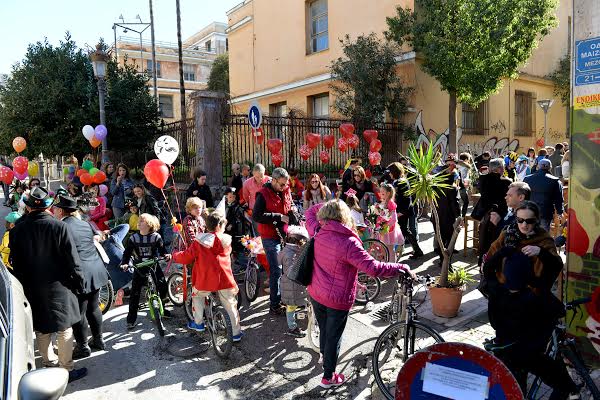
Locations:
column 426, row 188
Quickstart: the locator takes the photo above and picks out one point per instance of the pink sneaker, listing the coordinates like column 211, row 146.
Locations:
column 336, row 380
column 119, row 298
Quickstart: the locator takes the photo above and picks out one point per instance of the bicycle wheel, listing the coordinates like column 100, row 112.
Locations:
column 313, row 329
column 252, row 283
column 369, row 289
column 221, row 332
column 189, row 310
column 157, row 316
column 175, row 288
column 580, row 373
column 394, row 346
column 106, row 297
column 377, row 249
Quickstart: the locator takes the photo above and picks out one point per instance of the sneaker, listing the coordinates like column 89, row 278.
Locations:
column 238, row 337
column 296, row 332
column 119, row 298
column 81, row 351
column 336, row 380
column 276, row 311
column 97, row 344
column 77, row 374
column 130, row 326
column 196, row 327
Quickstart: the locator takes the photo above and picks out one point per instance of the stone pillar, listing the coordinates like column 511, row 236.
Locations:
column 208, row 110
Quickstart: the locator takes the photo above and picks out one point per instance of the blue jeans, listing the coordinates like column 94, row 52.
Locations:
column 113, row 246
column 272, row 248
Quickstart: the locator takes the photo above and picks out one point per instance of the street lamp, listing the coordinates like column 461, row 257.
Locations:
column 545, row 105
column 99, row 59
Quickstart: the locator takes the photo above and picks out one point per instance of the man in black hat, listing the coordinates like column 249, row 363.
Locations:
column 45, row 260
column 95, row 277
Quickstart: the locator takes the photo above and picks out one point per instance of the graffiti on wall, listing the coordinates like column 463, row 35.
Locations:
column 495, row 145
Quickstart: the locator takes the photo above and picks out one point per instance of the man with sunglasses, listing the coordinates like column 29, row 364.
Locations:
column 273, row 213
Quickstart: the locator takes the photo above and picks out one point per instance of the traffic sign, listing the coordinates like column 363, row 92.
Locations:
column 455, row 371
column 254, row 116
column 587, row 62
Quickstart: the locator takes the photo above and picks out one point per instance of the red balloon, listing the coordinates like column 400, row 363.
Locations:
column 346, row 130
column 324, row 156
column 6, row 175
column 99, row 177
column 374, row 158
column 370, row 134
column 342, row 145
column 275, row 145
column 540, row 142
column 313, row 140
column 328, row 141
column 354, row 141
column 80, row 172
column 304, row 151
column 368, row 174
column 277, row 159
column 86, row 178
column 156, row 172
column 375, row 145
column 20, row 164
column 259, row 135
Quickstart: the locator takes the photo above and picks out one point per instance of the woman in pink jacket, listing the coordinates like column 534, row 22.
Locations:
column 339, row 255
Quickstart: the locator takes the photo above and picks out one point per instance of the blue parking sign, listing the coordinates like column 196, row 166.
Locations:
column 587, row 62
column 254, row 116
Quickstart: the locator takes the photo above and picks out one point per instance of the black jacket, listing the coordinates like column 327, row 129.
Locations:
column 204, row 193
column 149, row 205
column 94, row 273
column 403, row 201
column 237, row 183
column 237, row 225
column 45, row 260
column 546, row 192
column 493, row 188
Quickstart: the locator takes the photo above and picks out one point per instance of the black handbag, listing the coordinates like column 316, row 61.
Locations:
column 301, row 269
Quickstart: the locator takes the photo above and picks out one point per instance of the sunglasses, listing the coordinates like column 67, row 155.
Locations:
column 528, row 221
column 314, row 181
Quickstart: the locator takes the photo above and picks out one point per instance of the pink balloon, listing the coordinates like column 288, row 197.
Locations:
column 103, row 190
column 20, row 176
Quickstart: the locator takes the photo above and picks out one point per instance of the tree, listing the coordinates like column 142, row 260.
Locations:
column 52, row 94
column 470, row 46
column 218, row 80
column 365, row 81
column 561, row 78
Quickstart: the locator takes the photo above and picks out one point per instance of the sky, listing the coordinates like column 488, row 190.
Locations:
column 29, row 21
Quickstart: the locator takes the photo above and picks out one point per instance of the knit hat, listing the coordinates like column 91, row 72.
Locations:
column 12, row 217
column 518, row 271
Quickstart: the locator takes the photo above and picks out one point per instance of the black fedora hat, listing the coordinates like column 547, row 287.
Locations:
column 38, row 198
column 66, row 203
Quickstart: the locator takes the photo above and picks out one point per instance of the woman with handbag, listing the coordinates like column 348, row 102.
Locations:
column 337, row 257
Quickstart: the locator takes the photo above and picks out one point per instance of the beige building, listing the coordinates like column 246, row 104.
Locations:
column 280, row 57
column 199, row 52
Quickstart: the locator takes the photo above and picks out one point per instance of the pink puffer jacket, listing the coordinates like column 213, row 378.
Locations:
column 339, row 255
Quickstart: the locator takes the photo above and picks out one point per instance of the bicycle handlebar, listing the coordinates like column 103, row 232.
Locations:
column 572, row 304
column 148, row 263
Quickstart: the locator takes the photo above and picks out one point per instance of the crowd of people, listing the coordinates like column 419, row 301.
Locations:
column 78, row 236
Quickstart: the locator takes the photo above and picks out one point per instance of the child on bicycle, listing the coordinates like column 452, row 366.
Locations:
column 193, row 223
column 524, row 322
column 142, row 246
column 293, row 295
column 210, row 253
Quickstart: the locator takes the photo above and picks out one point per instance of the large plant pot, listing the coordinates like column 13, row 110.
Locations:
column 445, row 302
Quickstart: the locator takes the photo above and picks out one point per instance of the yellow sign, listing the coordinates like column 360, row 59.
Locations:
column 587, row 101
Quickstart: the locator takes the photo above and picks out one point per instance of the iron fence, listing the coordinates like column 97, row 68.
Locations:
column 186, row 161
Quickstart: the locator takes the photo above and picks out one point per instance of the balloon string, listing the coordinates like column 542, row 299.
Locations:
column 175, row 190
column 168, row 205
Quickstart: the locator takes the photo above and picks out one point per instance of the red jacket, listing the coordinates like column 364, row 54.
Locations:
column 269, row 207
column 212, row 264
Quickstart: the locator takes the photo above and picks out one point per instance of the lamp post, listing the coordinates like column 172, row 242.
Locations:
column 99, row 59
column 545, row 105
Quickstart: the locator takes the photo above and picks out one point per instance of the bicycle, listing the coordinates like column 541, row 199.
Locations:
column 217, row 322
column 312, row 330
column 155, row 305
column 106, row 297
column 179, row 280
column 560, row 345
column 405, row 336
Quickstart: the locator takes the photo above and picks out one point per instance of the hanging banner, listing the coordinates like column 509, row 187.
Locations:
column 583, row 235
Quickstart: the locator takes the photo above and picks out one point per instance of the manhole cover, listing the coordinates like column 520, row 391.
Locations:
column 188, row 346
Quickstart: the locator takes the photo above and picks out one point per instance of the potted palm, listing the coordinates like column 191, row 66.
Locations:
column 426, row 187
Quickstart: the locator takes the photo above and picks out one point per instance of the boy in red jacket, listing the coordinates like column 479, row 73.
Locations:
column 210, row 253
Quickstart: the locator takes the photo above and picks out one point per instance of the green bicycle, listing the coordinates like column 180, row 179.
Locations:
column 155, row 305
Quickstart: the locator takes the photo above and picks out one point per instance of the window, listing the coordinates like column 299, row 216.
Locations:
column 474, row 121
column 318, row 26
column 189, row 72
column 278, row 109
column 149, row 68
column 524, row 113
column 319, row 105
column 227, row 43
column 208, row 46
column 165, row 106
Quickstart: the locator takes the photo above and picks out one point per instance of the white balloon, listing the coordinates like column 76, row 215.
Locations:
column 88, row 132
column 166, row 149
